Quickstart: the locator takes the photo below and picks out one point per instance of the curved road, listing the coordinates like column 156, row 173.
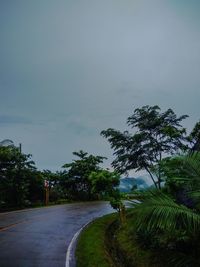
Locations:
column 40, row 237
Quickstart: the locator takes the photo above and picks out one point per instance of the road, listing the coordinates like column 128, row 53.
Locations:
column 40, row 237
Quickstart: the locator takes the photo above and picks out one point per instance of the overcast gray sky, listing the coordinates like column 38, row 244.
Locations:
column 71, row 68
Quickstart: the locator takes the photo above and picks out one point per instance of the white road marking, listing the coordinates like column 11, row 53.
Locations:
column 69, row 253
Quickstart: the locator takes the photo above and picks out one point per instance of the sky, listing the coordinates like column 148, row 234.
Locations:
column 72, row 68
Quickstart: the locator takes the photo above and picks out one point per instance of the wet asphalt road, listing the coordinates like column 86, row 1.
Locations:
column 40, row 237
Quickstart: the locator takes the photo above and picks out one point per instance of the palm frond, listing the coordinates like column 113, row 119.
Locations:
column 192, row 165
column 161, row 211
column 195, row 194
column 184, row 171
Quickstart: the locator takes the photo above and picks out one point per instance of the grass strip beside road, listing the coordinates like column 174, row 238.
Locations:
column 91, row 248
column 106, row 243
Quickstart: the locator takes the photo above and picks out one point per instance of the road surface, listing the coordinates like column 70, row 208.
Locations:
column 40, row 237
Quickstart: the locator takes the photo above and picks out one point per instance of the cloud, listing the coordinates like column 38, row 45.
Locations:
column 80, row 128
column 12, row 119
column 70, row 69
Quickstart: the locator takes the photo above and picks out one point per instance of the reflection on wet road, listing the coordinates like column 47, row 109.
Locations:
column 40, row 237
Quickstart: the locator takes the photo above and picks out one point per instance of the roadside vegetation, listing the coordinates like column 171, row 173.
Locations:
column 92, row 249
column 23, row 185
column 162, row 227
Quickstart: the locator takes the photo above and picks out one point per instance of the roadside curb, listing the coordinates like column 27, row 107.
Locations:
column 70, row 254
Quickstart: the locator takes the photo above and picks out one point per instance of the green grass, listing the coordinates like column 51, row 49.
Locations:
column 104, row 240
column 91, row 248
column 130, row 253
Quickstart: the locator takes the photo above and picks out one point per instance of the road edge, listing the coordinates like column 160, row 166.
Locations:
column 70, row 254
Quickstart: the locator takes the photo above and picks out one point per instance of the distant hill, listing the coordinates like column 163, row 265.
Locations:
column 127, row 183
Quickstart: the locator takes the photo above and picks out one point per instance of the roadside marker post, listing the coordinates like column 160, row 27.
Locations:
column 46, row 186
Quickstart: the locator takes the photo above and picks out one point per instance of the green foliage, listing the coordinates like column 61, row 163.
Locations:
column 54, row 180
column 104, row 182
column 16, row 170
column 161, row 211
column 194, row 137
column 183, row 178
column 156, row 135
column 91, row 250
column 172, row 214
column 21, row 184
column 76, row 178
column 35, row 188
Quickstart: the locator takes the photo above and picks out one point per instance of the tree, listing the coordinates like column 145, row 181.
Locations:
column 168, row 216
column 157, row 134
column 76, row 176
column 35, row 188
column 16, row 169
column 104, row 182
column 194, row 137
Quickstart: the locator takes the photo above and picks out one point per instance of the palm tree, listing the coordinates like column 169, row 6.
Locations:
column 173, row 213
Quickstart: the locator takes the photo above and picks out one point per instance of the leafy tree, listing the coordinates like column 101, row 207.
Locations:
column 15, row 171
column 35, row 187
column 157, row 134
column 194, row 137
column 104, row 182
column 76, row 177
column 116, row 203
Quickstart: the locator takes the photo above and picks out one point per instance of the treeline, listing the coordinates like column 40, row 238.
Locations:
column 22, row 185
column 154, row 135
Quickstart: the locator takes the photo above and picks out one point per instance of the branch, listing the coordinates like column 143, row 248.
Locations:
column 151, row 177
